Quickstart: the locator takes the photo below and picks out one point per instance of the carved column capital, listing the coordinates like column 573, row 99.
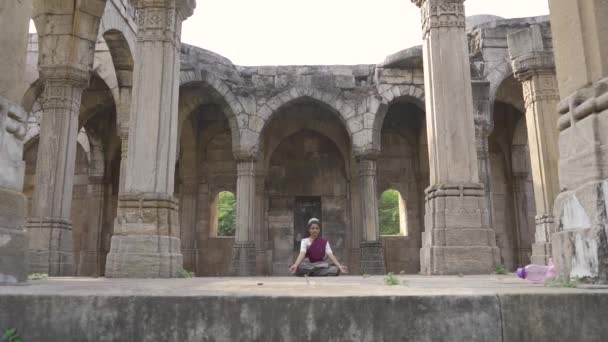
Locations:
column 441, row 13
column 160, row 20
column 534, row 63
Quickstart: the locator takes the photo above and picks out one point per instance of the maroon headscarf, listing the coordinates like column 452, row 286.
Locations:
column 316, row 251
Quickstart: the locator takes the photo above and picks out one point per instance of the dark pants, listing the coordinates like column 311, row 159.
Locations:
column 317, row 269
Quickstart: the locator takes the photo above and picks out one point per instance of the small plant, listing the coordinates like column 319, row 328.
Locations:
column 365, row 275
column 10, row 335
column 182, row 273
column 571, row 283
column 38, row 276
column 391, row 280
column 501, row 269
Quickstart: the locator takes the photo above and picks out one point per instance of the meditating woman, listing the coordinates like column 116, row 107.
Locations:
column 314, row 252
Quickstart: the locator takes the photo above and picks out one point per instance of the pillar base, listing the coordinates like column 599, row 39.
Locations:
column 90, row 264
column 13, row 240
column 51, row 247
column 243, row 260
column 144, row 256
column 456, row 239
column 372, row 258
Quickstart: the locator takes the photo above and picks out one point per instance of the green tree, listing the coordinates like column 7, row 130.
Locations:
column 388, row 211
column 226, row 214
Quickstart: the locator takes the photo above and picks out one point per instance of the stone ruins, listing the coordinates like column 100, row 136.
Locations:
column 116, row 139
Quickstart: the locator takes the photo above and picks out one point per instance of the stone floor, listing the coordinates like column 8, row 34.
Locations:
column 290, row 286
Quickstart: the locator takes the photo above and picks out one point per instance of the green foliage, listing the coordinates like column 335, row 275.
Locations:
column 37, row 276
column 391, row 280
column 572, row 283
column 388, row 212
column 182, row 273
column 226, row 214
column 10, row 335
column 501, row 269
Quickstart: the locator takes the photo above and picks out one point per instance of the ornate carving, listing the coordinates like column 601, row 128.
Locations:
column 532, row 64
column 441, row 13
column 160, row 20
column 367, row 168
column 544, row 88
column 147, row 214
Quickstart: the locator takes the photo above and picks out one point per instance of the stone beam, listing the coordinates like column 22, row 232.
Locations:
column 457, row 238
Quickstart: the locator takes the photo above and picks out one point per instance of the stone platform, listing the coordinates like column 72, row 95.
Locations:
column 349, row 308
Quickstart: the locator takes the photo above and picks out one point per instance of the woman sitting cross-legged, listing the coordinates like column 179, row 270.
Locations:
column 314, row 252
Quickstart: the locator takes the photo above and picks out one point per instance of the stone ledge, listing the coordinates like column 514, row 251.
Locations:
column 476, row 308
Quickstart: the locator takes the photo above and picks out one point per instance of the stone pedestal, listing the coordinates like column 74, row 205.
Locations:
column 146, row 241
column 533, row 64
column 14, row 16
column 457, row 237
column 372, row 252
column 243, row 252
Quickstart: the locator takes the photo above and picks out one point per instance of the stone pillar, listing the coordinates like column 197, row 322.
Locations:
column 244, row 253
column 50, row 226
column 90, row 254
column 580, row 43
column 483, row 128
column 533, row 65
column 146, row 240
column 521, row 210
column 372, row 252
column 457, row 238
column 14, row 16
column 261, row 235
column 188, row 221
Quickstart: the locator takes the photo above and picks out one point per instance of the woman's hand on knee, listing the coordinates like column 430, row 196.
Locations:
column 293, row 268
column 343, row 269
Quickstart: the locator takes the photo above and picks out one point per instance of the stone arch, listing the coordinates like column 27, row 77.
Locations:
column 496, row 76
column 314, row 126
column 390, row 96
column 334, row 101
column 193, row 83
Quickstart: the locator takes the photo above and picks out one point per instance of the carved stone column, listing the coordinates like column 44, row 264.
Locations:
column 483, row 128
column 534, row 66
column 372, row 252
column 457, row 238
column 90, row 254
column 14, row 16
column 146, row 240
column 523, row 227
column 244, row 253
column 50, row 226
column 188, row 225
